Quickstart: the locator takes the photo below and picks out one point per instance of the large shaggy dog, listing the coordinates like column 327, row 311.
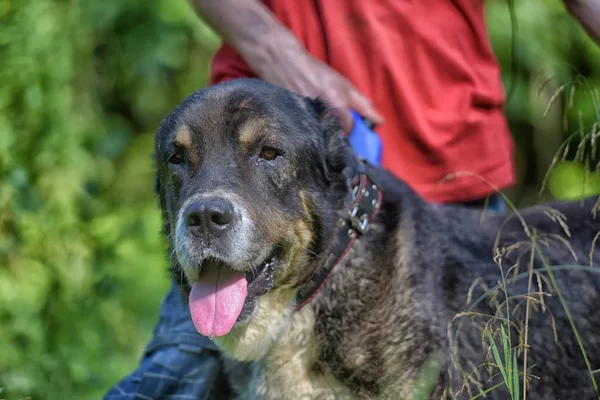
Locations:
column 322, row 277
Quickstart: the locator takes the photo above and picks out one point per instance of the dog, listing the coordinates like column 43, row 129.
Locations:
column 319, row 276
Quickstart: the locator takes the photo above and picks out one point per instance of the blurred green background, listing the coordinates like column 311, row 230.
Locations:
column 84, row 85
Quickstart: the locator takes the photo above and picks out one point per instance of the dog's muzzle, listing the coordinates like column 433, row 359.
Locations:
column 225, row 262
column 217, row 228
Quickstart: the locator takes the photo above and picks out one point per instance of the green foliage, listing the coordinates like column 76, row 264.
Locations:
column 84, row 85
column 82, row 266
column 556, row 70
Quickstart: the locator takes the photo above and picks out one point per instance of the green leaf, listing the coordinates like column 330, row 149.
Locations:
column 515, row 372
column 507, row 358
column 497, row 357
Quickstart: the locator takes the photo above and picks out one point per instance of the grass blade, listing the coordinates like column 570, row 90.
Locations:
column 516, row 377
column 497, row 357
column 507, row 360
column 486, row 391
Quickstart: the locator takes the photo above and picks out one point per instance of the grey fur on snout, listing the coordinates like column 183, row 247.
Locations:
column 233, row 248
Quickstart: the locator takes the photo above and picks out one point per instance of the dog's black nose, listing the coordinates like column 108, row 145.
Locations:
column 211, row 215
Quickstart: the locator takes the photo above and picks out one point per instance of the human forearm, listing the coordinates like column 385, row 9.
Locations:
column 587, row 12
column 278, row 57
column 250, row 28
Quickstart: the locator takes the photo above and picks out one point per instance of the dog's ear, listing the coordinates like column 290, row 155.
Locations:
column 161, row 197
column 328, row 120
column 338, row 158
column 174, row 269
column 157, row 185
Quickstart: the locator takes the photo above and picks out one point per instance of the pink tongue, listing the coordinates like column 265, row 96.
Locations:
column 216, row 300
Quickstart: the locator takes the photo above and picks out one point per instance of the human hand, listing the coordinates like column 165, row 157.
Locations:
column 295, row 69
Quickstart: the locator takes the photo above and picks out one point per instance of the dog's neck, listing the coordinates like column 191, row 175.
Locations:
column 339, row 343
column 354, row 220
column 369, row 300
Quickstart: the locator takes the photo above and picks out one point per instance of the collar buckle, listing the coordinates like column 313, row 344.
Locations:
column 360, row 224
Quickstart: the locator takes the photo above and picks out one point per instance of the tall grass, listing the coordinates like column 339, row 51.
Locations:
column 499, row 341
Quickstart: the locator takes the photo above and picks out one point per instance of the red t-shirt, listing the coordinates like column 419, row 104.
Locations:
column 428, row 67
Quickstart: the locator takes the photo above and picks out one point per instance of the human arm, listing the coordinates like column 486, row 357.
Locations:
column 278, row 57
column 587, row 12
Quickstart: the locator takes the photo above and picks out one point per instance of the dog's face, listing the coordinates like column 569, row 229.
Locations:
column 250, row 177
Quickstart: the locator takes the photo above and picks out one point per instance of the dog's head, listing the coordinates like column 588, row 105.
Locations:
column 250, row 177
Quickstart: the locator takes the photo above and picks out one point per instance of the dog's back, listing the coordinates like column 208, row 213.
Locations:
column 427, row 264
column 486, row 274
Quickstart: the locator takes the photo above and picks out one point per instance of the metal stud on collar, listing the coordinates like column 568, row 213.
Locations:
column 355, row 191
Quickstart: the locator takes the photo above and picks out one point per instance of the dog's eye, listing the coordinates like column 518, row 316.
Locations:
column 269, row 153
column 177, row 158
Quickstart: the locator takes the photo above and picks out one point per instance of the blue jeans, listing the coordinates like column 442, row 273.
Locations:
column 180, row 364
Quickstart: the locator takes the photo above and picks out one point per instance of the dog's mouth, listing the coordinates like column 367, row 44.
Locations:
column 222, row 297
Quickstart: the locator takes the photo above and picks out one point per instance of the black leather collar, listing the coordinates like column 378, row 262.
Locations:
column 365, row 202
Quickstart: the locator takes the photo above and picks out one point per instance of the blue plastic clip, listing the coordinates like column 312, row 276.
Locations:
column 364, row 140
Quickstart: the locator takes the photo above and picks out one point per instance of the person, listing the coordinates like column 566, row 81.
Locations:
column 423, row 71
